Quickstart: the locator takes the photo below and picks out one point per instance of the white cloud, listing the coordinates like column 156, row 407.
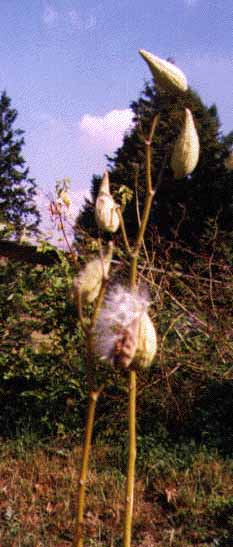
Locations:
column 74, row 18
column 50, row 15
column 91, row 23
column 108, row 129
column 76, row 21
column 70, row 19
column 58, row 148
column 190, row 3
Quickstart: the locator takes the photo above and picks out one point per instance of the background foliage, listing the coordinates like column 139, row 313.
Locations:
column 41, row 359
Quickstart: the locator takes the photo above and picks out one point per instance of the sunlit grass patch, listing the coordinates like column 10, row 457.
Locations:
column 182, row 498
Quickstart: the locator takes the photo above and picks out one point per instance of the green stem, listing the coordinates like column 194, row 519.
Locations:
column 78, row 302
column 149, row 198
column 129, row 499
column 94, row 394
column 131, row 460
column 78, row 538
column 123, row 231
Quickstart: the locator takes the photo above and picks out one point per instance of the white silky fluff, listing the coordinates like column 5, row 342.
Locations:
column 120, row 308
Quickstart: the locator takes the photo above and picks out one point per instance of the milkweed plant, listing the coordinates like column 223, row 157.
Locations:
column 120, row 333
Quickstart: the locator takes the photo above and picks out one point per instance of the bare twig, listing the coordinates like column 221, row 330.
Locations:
column 123, row 231
column 210, row 263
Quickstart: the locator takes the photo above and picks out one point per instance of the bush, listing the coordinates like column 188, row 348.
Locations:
column 42, row 355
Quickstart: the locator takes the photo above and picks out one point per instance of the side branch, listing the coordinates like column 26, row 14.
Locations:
column 146, row 212
column 78, row 302
column 123, row 231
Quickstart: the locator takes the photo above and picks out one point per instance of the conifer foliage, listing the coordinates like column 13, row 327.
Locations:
column 17, row 191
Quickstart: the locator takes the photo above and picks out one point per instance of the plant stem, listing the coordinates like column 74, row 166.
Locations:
column 132, row 373
column 149, row 198
column 94, row 394
column 93, row 397
column 123, row 231
column 131, row 460
column 129, row 495
column 78, row 302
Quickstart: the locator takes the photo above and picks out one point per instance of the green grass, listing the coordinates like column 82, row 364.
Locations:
column 183, row 497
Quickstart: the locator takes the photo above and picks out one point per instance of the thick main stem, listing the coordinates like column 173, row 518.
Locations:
column 94, row 393
column 131, row 460
column 129, row 495
column 78, row 538
column 132, row 373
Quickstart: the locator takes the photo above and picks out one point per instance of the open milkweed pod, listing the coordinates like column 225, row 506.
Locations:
column 146, row 342
column 186, row 151
column 105, row 208
column 116, row 330
column 168, row 76
column 88, row 282
column 126, row 345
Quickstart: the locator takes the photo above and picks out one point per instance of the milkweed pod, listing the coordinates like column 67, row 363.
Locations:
column 147, row 342
column 88, row 282
column 105, row 208
column 116, row 328
column 104, row 185
column 168, row 76
column 126, row 345
column 186, row 151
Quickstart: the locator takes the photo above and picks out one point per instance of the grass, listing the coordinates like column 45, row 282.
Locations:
column 181, row 501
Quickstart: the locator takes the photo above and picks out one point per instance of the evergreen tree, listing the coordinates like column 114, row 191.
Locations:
column 17, row 190
column 195, row 199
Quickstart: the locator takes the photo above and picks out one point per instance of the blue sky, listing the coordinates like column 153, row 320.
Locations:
column 71, row 68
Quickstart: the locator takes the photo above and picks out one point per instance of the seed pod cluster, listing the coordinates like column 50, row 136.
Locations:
column 167, row 75
column 186, row 151
column 105, row 208
column 125, row 334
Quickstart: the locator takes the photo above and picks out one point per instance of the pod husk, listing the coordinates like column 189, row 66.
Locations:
column 146, row 343
column 186, row 151
column 105, row 208
column 167, row 75
column 89, row 280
